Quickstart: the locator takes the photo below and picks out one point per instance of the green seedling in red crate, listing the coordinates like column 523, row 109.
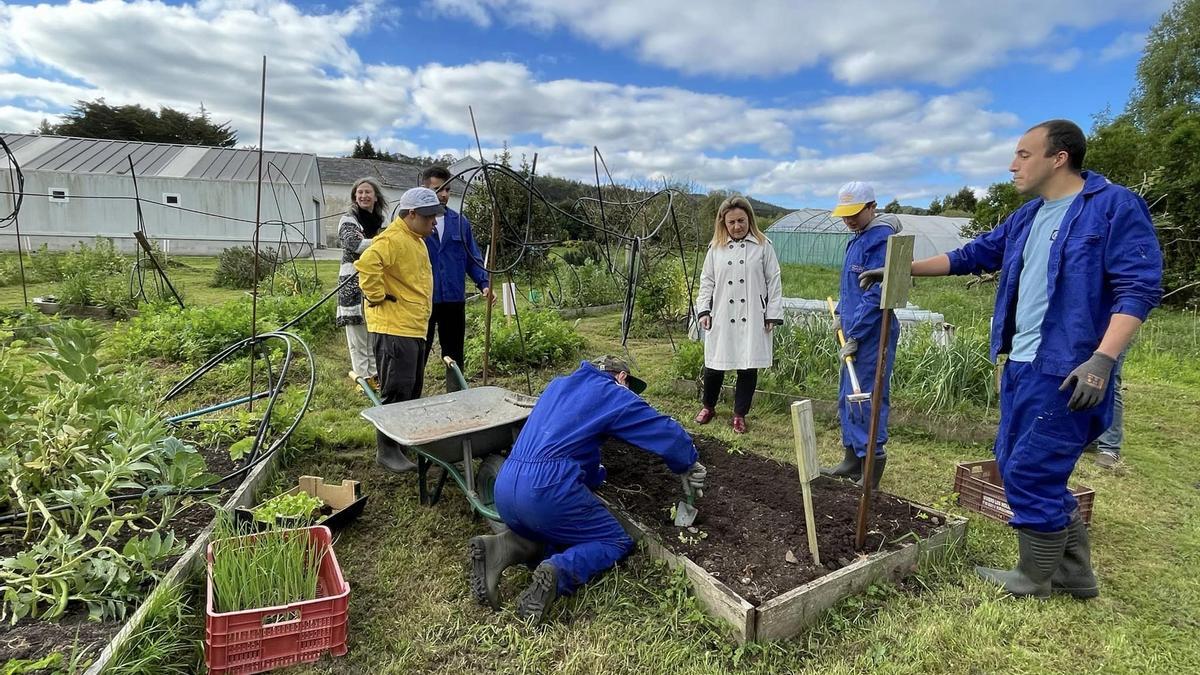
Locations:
column 268, row 569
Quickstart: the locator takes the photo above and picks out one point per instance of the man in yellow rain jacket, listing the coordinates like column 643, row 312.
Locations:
column 397, row 283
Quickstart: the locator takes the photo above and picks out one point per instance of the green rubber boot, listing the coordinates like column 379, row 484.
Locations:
column 535, row 600
column 851, row 466
column 1074, row 575
column 490, row 555
column 1040, row 555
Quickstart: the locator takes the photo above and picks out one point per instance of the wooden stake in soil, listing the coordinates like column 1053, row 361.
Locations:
column 806, row 463
column 897, row 281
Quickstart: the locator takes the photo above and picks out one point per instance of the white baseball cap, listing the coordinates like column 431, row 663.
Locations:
column 852, row 197
column 422, row 200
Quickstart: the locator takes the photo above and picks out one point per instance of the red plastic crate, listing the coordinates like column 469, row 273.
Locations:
column 981, row 489
column 258, row 640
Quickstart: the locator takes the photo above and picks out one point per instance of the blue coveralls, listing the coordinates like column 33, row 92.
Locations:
column 544, row 490
column 862, row 320
column 454, row 256
column 1105, row 260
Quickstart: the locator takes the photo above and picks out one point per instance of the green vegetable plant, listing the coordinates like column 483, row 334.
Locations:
column 96, row 475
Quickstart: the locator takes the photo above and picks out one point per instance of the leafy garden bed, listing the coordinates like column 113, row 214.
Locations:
column 98, row 498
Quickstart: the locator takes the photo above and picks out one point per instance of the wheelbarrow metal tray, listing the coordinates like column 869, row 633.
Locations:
column 437, row 425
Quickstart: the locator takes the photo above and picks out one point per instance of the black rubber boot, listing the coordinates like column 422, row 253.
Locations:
column 535, row 600
column 389, row 454
column 1074, row 575
column 851, row 466
column 490, row 555
column 876, row 470
column 1040, row 555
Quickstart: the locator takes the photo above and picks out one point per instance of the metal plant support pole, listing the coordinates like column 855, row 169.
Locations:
column 487, row 311
column 262, row 113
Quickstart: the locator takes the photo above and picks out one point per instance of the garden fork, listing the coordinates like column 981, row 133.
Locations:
column 857, row 397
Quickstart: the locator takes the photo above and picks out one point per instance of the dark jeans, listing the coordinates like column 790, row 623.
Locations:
column 450, row 319
column 743, row 391
column 401, row 363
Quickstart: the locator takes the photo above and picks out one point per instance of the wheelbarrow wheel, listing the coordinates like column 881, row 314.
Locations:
column 485, row 486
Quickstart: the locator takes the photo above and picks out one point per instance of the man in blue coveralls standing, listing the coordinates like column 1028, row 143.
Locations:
column 1080, row 271
column 860, row 318
column 544, row 489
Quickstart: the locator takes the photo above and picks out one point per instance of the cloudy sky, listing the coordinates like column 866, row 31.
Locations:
column 782, row 99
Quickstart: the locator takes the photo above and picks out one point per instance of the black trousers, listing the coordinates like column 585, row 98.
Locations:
column 450, row 320
column 401, row 363
column 743, row 391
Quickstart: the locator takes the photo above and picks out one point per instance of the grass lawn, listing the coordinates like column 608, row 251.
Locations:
column 411, row 610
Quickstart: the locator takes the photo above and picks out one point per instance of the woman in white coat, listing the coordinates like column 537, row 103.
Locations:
column 740, row 302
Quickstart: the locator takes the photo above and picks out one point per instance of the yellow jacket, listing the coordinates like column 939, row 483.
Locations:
column 397, row 281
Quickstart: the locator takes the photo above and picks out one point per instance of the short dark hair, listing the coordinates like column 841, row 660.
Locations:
column 1065, row 136
column 435, row 172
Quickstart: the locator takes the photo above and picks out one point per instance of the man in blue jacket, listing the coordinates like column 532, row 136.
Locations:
column 860, row 319
column 453, row 255
column 544, row 489
column 1080, row 271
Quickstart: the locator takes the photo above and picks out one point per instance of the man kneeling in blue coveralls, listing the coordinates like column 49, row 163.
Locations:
column 544, row 489
column 1080, row 271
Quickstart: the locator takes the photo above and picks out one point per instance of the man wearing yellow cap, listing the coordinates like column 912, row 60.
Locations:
column 860, row 319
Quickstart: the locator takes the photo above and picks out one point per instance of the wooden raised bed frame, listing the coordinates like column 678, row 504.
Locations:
column 786, row 615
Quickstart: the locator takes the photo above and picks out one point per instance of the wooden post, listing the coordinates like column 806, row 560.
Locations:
column 897, row 281
column 806, row 464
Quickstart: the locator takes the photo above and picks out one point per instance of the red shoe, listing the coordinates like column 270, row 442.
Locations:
column 738, row 424
column 705, row 415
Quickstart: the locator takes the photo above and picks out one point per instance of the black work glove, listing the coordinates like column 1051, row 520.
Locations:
column 869, row 277
column 1089, row 380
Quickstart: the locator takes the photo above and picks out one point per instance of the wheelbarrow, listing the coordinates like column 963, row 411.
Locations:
column 452, row 431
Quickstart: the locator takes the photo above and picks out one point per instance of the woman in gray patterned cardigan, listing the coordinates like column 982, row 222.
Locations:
column 356, row 230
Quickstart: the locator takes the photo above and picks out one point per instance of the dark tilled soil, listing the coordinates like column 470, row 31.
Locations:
column 33, row 639
column 752, row 516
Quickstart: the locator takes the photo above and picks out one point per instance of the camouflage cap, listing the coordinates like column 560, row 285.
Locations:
column 614, row 364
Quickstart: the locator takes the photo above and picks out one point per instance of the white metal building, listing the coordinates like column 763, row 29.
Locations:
column 195, row 199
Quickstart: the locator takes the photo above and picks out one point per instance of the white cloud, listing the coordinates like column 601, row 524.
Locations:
column 1123, row 45
column 861, row 41
column 20, row 120
column 570, row 111
column 321, row 95
column 41, row 91
column 154, row 54
column 1059, row 61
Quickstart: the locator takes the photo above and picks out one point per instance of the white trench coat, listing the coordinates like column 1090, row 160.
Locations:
column 741, row 289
